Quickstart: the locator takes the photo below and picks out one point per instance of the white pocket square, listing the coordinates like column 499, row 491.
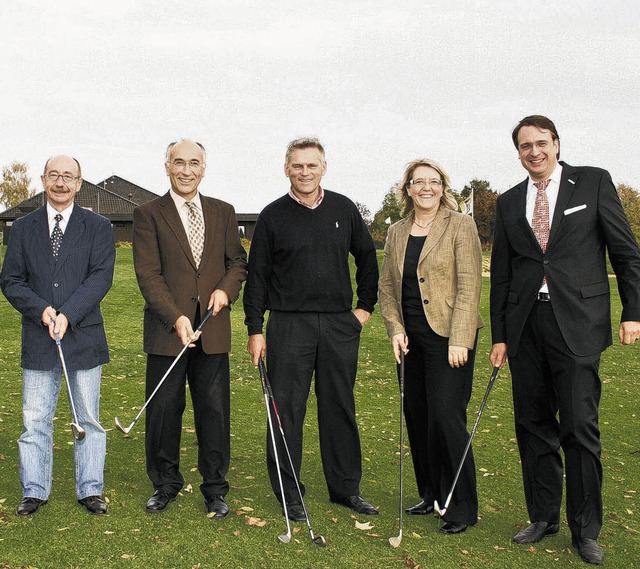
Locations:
column 574, row 209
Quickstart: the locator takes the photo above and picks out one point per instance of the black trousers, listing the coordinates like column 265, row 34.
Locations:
column 299, row 345
column 208, row 376
column 436, row 400
column 556, row 396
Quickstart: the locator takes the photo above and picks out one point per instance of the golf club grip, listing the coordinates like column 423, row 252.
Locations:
column 206, row 317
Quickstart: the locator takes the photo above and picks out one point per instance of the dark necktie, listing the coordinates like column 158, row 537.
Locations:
column 56, row 236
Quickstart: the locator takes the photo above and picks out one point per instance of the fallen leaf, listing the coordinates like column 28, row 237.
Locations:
column 109, row 532
column 126, row 556
column 246, row 509
column 416, row 535
column 189, row 488
column 63, row 529
column 296, row 530
column 251, row 521
column 363, row 526
column 236, row 533
column 334, row 520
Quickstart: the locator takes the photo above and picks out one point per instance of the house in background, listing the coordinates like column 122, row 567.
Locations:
column 115, row 198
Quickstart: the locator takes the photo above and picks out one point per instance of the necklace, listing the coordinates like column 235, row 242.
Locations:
column 423, row 226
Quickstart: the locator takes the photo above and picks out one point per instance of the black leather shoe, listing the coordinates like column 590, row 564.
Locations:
column 451, row 528
column 421, row 509
column 95, row 505
column 217, row 506
column 29, row 506
column 159, row 502
column 357, row 503
column 295, row 511
column 534, row 532
column 589, row 550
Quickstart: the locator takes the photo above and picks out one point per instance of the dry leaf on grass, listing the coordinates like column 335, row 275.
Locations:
column 363, row 526
column 251, row 521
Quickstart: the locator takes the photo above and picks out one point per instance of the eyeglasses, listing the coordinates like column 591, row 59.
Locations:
column 179, row 164
column 433, row 184
column 66, row 178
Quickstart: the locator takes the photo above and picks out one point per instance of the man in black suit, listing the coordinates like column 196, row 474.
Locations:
column 59, row 266
column 550, row 313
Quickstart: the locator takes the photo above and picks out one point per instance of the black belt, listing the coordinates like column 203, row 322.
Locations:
column 543, row 297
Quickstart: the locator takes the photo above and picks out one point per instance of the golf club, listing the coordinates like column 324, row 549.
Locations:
column 78, row 431
column 436, row 508
column 283, row 538
column 317, row 540
column 395, row 541
column 126, row 430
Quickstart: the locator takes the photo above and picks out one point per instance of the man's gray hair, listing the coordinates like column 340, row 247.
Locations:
column 304, row 142
column 172, row 144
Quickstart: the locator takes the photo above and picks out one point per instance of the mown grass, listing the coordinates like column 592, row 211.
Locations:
column 62, row 535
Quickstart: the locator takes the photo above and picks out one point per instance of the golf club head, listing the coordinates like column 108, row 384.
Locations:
column 78, row 431
column 121, row 427
column 285, row 538
column 395, row 541
column 437, row 511
column 319, row 541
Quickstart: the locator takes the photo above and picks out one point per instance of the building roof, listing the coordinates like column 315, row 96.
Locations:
column 90, row 196
column 127, row 189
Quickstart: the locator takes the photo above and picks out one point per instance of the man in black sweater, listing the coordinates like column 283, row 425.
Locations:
column 299, row 271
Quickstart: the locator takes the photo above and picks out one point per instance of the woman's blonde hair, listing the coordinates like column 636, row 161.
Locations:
column 447, row 199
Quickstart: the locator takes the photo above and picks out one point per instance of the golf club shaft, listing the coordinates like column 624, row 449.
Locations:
column 286, row 448
column 494, row 374
column 273, row 443
column 66, row 377
column 395, row 541
column 173, row 364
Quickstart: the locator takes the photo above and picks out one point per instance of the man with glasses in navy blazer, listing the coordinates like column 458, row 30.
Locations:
column 58, row 268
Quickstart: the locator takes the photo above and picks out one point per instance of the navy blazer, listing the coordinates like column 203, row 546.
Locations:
column 588, row 221
column 73, row 284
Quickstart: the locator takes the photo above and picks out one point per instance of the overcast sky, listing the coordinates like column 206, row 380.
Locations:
column 379, row 82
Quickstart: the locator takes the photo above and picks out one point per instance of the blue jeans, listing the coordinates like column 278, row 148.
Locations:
column 40, row 390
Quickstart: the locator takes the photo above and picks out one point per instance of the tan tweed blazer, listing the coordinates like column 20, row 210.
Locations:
column 449, row 273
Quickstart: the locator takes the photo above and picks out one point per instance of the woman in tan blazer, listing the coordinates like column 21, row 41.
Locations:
column 429, row 298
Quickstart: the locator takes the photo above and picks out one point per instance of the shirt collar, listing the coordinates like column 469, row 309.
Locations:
column 65, row 213
column 554, row 178
column 180, row 201
column 314, row 205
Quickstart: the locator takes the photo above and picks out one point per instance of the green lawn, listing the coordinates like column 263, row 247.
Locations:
column 62, row 535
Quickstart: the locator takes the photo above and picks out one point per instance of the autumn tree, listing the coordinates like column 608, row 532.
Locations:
column 631, row 202
column 390, row 212
column 14, row 187
column 484, row 208
column 365, row 212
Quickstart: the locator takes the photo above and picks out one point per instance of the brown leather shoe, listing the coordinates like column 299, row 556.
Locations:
column 535, row 532
column 95, row 505
column 29, row 506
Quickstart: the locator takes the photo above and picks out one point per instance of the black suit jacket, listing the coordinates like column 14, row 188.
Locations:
column 588, row 220
column 73, row 284
column 168, row 277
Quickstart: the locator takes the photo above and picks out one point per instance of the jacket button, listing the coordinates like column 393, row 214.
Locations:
column 421, row 279
column 194, row 299
column 198, row 275
column 426, row 301
column 545, row 262
column 55, row 285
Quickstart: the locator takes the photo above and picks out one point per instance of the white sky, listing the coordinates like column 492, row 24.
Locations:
column 380, row 82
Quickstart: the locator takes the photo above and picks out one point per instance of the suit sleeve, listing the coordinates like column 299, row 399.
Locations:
column 468, row 259
column 622, row 248
column 235, row 259
column 14, row 278
column 390, row 304
column 500, row 279
column 148, row 266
